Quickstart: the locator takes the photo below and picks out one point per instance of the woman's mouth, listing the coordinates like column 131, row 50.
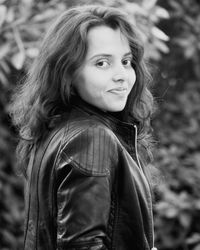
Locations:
column 120, row 90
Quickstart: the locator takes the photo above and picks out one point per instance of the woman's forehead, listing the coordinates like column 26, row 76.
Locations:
column 103, row 39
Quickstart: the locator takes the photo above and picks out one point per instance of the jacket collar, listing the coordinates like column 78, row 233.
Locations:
column 114, row 120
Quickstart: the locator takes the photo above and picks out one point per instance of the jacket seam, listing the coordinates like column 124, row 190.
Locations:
column 39, row 168
column 91, row 125
column 73, row 162
column 86, row 172
column 29, row 200
column 112, row 223
column 54, row 183
column 62, row 147
column 84, row 243
column 116, row 217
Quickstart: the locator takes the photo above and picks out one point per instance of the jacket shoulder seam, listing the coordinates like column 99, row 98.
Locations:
column 77, row 164
column 85, row 171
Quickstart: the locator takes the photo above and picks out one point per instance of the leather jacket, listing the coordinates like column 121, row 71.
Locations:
column 85, row 187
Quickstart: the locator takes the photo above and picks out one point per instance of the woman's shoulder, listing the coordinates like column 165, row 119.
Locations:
column 81, row 123
column 89, row 145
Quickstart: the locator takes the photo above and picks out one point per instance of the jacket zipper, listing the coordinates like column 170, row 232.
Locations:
column 137, row 158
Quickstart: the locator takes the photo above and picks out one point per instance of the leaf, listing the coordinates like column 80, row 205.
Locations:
column 134, row 8
column 4, row 66
column 152, row 52
column 3, row 80
column 161, row 46
column 197, row 205
column 27, row 2
column 8, row 236
column 161, row 12
column 195, row 238
column 10, row 15
column 3, row 11
column 172, row 212
column 4, row 74
column 190, row 52
column 183, row 42
column 149, row 4
column 159, row 34
column 18, row 60
column 48, row 14
column 32, row 52
column 185, row 219
column 4, row 49
column 196, row 247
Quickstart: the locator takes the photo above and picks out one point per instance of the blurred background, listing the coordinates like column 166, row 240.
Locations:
column 170, row 30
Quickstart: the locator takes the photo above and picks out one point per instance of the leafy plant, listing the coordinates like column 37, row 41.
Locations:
column 178, row 94
column 170, row 31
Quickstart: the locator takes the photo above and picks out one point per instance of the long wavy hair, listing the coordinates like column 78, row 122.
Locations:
column 45, row 92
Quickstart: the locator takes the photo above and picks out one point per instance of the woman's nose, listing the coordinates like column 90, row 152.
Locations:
column 119, row 73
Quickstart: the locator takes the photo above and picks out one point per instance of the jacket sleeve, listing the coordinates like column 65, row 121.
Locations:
column 84, row 190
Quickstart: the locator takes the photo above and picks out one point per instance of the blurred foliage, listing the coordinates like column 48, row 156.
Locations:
column 170, row 31
column 177, row 124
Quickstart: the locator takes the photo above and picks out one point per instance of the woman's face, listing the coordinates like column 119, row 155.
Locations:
column 106, row 77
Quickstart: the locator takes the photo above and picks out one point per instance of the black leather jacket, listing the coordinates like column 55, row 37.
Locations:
column 85, row 187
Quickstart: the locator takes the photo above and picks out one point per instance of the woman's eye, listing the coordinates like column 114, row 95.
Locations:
column 102, row 64
column 127, row 62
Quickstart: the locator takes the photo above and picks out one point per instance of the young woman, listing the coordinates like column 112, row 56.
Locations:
column 83, row 114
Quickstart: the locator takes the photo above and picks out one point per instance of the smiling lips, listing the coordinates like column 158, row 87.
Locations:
column 120, row 90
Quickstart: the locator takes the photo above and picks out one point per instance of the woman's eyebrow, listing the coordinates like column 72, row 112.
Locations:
column 109, row 55
column 101, row 55
column 128, row 54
